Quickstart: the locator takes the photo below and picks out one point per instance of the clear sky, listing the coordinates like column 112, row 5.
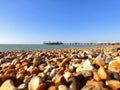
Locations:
column 35, row 21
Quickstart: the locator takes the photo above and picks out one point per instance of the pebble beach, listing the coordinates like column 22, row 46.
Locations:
column 85, row 68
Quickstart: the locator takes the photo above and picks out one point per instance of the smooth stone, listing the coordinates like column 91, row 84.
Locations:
column 115, row 75
column 55, row 59
column 102, row 73
column 42, row 76
column 100, row 62
column 114, row 66
column 76, row 60
column 41, row 67
column 55, row 77
column 96, row 76
column 47, row 69
column 3, row 77
column 36, row 61
column 87, row 65
column 35, row 70
column 115, row 53
column 113, row 84
column 92, row 53
column 63, row 87
column 75, row 57
column 86, row 73
column 1, row 60
column 67, row 69
column 52, row 88
column 99, row 57
column 90, row 56
column 89, row 87
column 72, row 68
column 62, row 64
column 60, row 80
column 42, row 86
column 27, row 79
column 117, row 58
column 20, row 54
column 94, row 85
column 7, row 60
column 108, row 59
column 15, row 61
column 32, row 70
column 53, row 72
column 74, row 84
column 18, row 66
column 21, row 75
column 6, row 64
column 22, row 87
column 1, row 56
column 79, row 69
column 34, row 83
column 76, row 65
column 29, row 56
column 11, row 71
column 50, row 83
column 8, row 85
column 67, row 75
column 78, row 76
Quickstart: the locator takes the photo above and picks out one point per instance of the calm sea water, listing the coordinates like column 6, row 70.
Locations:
column 6, row 47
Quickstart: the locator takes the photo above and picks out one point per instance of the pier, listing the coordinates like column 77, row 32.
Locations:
column 82, row 43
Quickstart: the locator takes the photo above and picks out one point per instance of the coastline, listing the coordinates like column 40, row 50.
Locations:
column 34, row 47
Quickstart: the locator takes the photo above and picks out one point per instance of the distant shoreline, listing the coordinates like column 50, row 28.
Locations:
column 33, row 47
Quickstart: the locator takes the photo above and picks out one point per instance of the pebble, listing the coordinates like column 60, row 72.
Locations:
column 108, row 59
column 60, row 80
column 15, row 61
column 62, row 64
column 99, row 57
column 53, row 72
column 42, row 86
column 6, row 64
column 115, row 75
column 27, row 79
column 116, row 53
column 100, row 62
column 52, row 88
column 1, row 56
column 63, row 87
column 34, row 83
column 67, row 75
column 87, row 65
column 74, row 84
column 113, row 84
column 72, row 68
column 22, row 87
column 86, row 73
column 102, row 73
column 8, row 85
column 117, row 58
column 96, row 76
column 94, row 85
column 36, row 61
column 114, row 66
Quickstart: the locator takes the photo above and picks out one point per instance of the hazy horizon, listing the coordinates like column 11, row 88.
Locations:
column 33, row 22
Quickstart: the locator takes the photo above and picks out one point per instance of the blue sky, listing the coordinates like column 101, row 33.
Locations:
column 35, row 21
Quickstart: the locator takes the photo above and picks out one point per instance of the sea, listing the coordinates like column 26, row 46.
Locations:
column 9, row 47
